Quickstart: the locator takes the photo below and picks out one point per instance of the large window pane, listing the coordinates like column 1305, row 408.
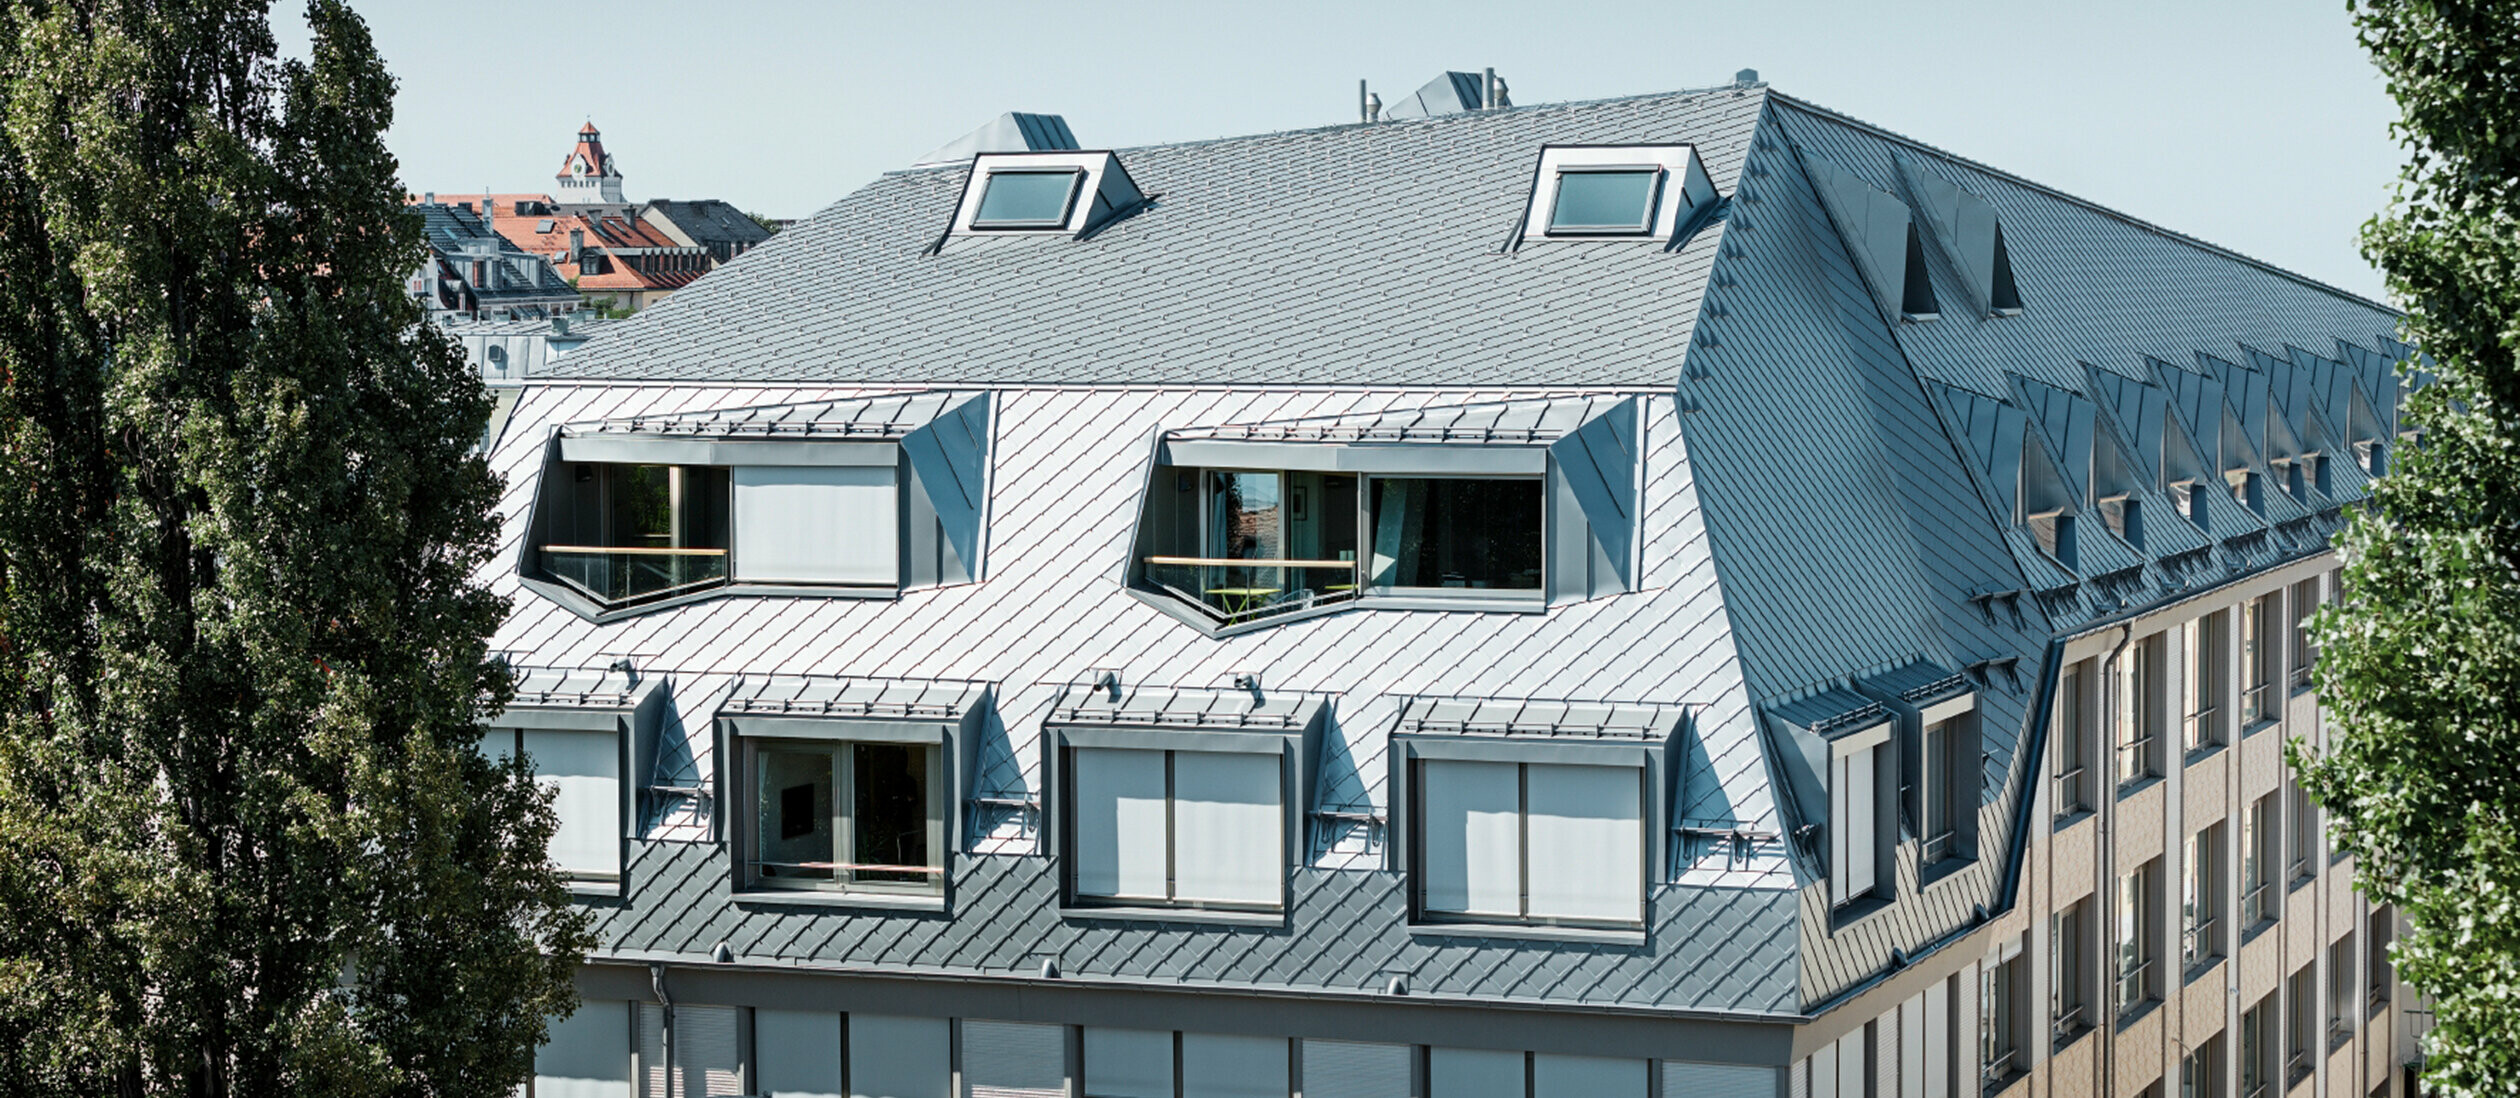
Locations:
column 1472, row 818
column 1452, row 533
column 587, row 1055
column 1473, row 1073
column 1020, row 199
column 1228, row 827
column 816, row 524
column 1585, row 833
column 1246, row 516
column 889, row 820
column 1217, row 1066
column 584, row 771
column 797, row 836
column 1604, row 201
column 1128, row 1063
column 796, row 1053
column 1120, row 823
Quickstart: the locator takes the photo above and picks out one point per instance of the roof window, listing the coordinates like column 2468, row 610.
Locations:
column 1016, row 199
column 1966, row 229
column 1070, row 193
column 1880, row 236
column 1594, row 191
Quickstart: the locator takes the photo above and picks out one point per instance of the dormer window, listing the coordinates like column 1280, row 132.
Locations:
column 1605, row 201
column 1018, row 199
column 1594, row 191
column 1066, row 193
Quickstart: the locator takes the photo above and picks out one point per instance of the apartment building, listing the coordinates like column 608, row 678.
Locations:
column 1681, row 595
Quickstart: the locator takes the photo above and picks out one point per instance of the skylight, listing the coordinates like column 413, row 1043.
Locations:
column 1027, row 199
column 1605, row 201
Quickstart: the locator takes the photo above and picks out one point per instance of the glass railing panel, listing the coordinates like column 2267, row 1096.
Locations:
column 615, row 575
column 1233, row 591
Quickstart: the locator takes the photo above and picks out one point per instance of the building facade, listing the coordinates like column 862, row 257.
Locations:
column 1691, row 594
column 474, row 274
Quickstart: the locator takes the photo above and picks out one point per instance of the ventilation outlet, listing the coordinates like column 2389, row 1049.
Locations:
column 1881, row 237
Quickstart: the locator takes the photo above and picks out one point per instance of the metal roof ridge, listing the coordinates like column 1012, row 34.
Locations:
column 1760, row 88
column 1896, row 137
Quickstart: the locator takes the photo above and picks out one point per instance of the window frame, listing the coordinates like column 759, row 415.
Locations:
column 2003, row 1018
column 1077, row 898
column 634, row 723
column 1421, row 877
column 2204, row 640
column 1881, row 832
column 2302, row 603
column 1103, row 192
column 1651, row 756
column 2074, row 717
column 1659, row 176
column 2133, row 679
column 1367, row 588
column 1067, row 208
column 2135, row 972
column 952, row 736
column 844, row 817
column 2261, row 894
column 2203, row 941
column 2071, row 959
column 2259, row 617
column 1682, row 191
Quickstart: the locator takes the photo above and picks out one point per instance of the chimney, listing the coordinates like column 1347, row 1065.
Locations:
column 1745, row 78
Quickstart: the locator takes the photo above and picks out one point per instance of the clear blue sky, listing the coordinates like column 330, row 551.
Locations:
column 2258, row 125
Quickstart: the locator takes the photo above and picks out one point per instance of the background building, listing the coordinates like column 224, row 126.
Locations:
column 1690, row 594
column 475, row 274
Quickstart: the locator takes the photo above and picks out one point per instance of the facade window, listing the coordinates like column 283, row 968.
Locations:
column 1179, row 828
column 2133, row 681
column 1605, row 201
column 640, row 532
column 1531, row 842
column 2377, row 937
column 2002, row 1024
column 2135, row 933
column 2200, row 1071
column 2201, row 687
column 2301, row 1022
column 2259, row 617
column 1944, row 770
column 2073, row 741
column 1019, row 199
column 2257, row 1049
column 2303, row 815
column 1456, row 533
column 2305, row 605
column 847, row 817
column 583, row 771
column 2071, row 951
column 2257, row 863
column 2341, row 992
column 2200, row 899
column 1857, row 772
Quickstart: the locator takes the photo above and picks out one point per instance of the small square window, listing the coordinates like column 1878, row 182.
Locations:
column 1605, row 201
column 1027, row 199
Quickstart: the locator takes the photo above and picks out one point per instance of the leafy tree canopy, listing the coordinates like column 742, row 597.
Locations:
column 2419, row 667
column 246, row 843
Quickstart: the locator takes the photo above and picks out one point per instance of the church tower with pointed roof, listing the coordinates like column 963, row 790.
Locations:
column 589, row 175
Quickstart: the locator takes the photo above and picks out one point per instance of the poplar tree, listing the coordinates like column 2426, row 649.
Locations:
column 246, row 844
column 2419, row 666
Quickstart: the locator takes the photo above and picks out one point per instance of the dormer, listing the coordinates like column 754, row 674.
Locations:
column 1880, row 235
column 1607, row 192
column 1969, row 235
column 1043, row 194
column 863, row 497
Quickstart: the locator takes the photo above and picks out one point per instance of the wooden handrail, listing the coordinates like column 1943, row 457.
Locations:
column 634, row 550
column 1221, row 562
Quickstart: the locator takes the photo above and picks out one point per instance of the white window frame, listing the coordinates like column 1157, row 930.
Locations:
column 1099, row 175
column 1873, row 836
column 1683, row 189
column 1287, row 798
column 844, row 817
column 1421, row 873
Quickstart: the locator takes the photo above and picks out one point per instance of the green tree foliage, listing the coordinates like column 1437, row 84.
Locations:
column 2419, row 668
column 247, row 846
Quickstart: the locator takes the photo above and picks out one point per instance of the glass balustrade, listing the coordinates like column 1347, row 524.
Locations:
column 616, row 575
column 1245, row 590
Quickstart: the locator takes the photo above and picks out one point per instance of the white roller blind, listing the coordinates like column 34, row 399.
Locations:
column 1824, row 1072
column 1014, row 1060
column 894, row 1057
column 1120, row 825
column 1229, row 827
column 1555, row 1076
column 705, row 1059
column 497, row 744
column 1473, row 1073
column 796, row 1053
column 1851, row 1062
column 1682, row 1079
column 1938, row 1040
column 1128, row 1063
column 1851, row 827
column 1472, row 816
column 816, row 524
column 1217, row 1066
column 1912, row 1047
column 584, row 770
column 1354, row 1069
column 1586, row 833
column 588, row 1055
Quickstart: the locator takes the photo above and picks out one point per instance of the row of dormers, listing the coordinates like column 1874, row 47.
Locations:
column 1655, row 192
